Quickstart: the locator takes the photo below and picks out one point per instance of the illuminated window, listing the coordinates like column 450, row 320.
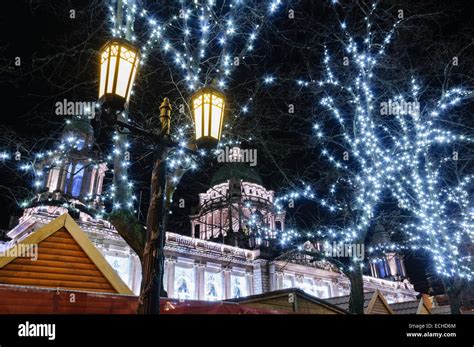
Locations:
column 239, row 287
column 213, row 286
column 77, row 180
column 288, row 281
column 184, row 283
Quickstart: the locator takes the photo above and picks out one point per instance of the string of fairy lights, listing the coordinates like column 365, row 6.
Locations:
column 199, row 34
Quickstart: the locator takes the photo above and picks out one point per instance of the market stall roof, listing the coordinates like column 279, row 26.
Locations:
column 374, row 303
column 175, row 306
column 59, row 255
column 29, row 300
column 410, row 307
column 290, row 300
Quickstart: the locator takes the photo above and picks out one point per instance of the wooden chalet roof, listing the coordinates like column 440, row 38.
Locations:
column 445, row 309
column 290, row 300
column 67, row 259
column 374, row 303
column 410, row 307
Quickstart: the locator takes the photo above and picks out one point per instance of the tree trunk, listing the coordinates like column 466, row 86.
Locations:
column 153, row 259
column 132, row 231
column 356, row 300
column 453, row 290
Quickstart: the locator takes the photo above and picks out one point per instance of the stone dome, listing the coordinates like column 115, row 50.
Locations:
column 236, row 170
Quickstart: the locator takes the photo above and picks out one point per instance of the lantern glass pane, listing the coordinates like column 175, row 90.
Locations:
column 104, row 59
column 127, row 59
column 197, row 107
column 132, row 80
column 207, row 109
column 111, row 73
column 217, row 105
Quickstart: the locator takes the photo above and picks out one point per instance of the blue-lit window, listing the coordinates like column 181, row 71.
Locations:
column 381, row 269
column 77, row 180
column 80, row 144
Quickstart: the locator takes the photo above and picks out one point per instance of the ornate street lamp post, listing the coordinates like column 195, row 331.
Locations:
column 118, row 67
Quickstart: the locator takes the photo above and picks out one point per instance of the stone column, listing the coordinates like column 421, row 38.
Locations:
column 62, row 177
column 258, row 276
column 402, row 263
column 92, row 179
column 100, row 178
column 372, row 269
column 272, row 277
column 199, row 281
column 249, row 282
column 299, row 281
column 278, row 280
column 226, row 287
column 53, row 179
column 170, row 289
column 166, row 275
column 334, row 289
column 392, row 265
column 85, row 183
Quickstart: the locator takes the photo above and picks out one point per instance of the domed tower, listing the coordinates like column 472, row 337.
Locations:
column 72, row 174
column 237, row 209
column 391, row 265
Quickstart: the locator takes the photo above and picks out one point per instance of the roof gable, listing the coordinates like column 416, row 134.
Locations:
column 66, row 259
column 410, row 307
column 378, row 305
column 374, row 303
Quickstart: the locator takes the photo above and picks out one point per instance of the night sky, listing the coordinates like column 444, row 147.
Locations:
column 59, row 61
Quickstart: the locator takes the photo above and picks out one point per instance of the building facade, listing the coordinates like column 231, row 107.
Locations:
column 203, row 270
